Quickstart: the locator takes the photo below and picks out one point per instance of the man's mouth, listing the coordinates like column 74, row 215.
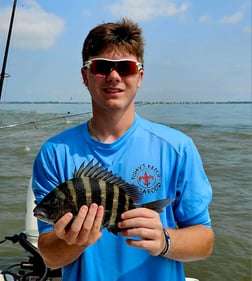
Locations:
column 112, row 91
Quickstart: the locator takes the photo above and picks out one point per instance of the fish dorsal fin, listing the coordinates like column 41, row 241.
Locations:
column 84, row 170
column 99, row 172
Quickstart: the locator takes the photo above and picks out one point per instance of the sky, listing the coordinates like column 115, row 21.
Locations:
column 195, row 50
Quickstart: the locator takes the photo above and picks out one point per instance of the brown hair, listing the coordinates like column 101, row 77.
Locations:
column 124, row 35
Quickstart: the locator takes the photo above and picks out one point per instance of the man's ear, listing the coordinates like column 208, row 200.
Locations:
column 84, row 76
column 140, row 78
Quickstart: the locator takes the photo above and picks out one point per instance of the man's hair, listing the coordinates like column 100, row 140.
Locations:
column 124, row 35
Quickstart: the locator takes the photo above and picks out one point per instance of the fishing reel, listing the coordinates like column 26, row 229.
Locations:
column 34, row 269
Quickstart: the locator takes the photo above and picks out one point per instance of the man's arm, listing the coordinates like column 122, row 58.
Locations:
column 187, row 244
column 191, row 243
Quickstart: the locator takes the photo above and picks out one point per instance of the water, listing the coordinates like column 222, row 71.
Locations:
column 222, row 133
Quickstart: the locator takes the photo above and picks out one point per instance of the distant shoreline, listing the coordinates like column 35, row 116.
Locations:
column 137, row 102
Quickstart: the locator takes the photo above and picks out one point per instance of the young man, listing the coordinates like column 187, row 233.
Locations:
column 161, row 161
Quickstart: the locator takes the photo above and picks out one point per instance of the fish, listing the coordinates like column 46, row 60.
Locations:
column 93, row 183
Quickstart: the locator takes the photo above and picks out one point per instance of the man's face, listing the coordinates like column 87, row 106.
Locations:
column 112, row 92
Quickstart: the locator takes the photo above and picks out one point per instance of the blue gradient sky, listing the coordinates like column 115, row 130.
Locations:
column 195, row 50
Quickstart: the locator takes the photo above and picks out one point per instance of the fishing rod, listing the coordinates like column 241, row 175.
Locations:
column 44, row 120
column 68, row 115
column 3, row 74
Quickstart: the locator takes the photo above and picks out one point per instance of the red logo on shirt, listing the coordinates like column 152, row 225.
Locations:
column 147, row 177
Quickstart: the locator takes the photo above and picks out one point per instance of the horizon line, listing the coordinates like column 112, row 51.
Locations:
column 136, row 102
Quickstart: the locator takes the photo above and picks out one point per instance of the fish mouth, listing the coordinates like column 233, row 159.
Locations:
column 40, row 215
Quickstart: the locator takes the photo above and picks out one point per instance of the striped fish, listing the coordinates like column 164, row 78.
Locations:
column 94, row 184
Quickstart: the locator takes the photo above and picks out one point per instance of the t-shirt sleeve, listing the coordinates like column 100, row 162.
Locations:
column 43, row 181
column 194, row 192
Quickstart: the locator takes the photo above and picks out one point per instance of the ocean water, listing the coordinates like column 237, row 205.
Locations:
column 222, row 133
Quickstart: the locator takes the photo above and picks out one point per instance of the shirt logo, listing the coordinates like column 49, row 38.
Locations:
column 147, row 177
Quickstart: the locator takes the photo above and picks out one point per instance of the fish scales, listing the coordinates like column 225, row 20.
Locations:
column 83, row 192
column 114, row 208
column 110, row 195
column 72, row 192
column 102, row 185
column 103, row 193
column 108, row 202
column 99, row 192
column 96, row 187
column 79, row 187
column 65, row 190
column 127, row 203
column 87, row 190
column 124, row 204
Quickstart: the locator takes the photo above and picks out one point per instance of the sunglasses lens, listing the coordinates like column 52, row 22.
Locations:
column 104, row 67
column 126, row 68
column 100, row 67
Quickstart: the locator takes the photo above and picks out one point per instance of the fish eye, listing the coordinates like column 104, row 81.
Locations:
column 54, row 202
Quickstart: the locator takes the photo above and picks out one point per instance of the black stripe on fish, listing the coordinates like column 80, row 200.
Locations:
column 109, row 199
column 80, row 186
column 123, row 204
column 96, row 191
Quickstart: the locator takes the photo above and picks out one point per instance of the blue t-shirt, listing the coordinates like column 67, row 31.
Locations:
column 161, row 161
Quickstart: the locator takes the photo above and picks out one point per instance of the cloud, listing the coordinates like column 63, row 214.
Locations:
column 238, row 15
column 233, row 19
column 247, row 29
column 204, row 19
column 33, row 27
column 86, row 13
column 142, row 10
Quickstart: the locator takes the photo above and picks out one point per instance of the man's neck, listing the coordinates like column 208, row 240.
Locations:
column 107, row 128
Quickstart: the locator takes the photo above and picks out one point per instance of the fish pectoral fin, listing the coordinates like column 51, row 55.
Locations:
column 106, row 218
column 114, row 229
column 157, row 205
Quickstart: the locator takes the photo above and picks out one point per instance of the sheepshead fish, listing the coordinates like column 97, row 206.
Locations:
column 94, row 184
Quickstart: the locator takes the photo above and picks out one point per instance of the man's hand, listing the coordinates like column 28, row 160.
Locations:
column 65, row 244
column 85, row 228
column 146, row 225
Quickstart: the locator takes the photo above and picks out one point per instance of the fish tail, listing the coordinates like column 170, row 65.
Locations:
column 157, row 205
